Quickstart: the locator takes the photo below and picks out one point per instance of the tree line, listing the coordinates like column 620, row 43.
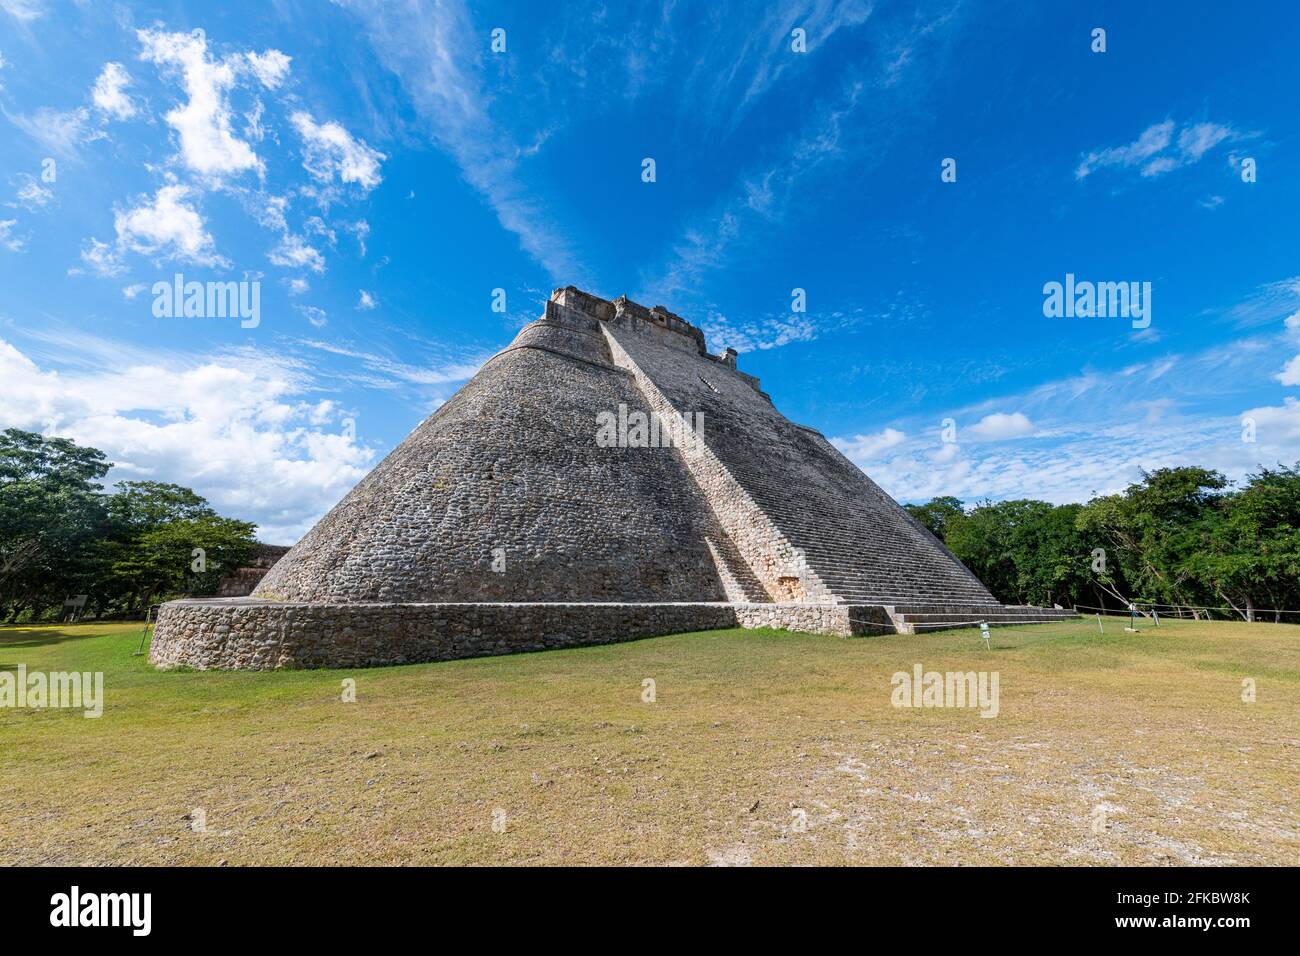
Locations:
column 62, row 536
column 1180, row 536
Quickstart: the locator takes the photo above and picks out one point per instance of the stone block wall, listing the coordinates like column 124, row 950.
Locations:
column 256, row 635
column 252, row 634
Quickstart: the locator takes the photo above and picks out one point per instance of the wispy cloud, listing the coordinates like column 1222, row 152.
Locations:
column 8, row 238
column 1157, row 151
column 760, row 334
column 24, row 11
column 30, row 193
column 764, row 54
column 759, row 199
column 1270, row 303
column 427, row 46
column 386, row 372
column 1093, row 432
column 61, row 132
column 848, row 126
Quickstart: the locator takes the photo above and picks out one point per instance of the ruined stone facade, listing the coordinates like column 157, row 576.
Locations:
column 243, row 580
column 504, row 522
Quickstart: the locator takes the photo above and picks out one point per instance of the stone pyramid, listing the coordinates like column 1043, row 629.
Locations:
column 602, row 478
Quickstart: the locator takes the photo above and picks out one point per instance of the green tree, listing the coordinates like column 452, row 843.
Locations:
column 170, row 542
column 50, row 514
column 1249, row 547
column 1153, row 531
column 1025, row 551
column 984, row 541
column 937, row 513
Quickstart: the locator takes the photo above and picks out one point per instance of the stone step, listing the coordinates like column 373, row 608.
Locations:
column 936, row 612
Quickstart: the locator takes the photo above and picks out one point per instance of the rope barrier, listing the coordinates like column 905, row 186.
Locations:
column 939, row 624
column 1183, row 607
column 1210, row 607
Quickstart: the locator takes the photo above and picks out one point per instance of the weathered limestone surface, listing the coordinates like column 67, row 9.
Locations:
column 787, row 496
column 511, row 462
column 501, row 524
column 253, row 634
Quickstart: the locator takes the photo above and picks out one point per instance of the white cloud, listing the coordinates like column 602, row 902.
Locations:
column 8, row 239
column 758, row 334
column 1195, row 141
column 1152, row 149
column 133, row 290
column 298, row 286
column 863, row 448
column 425, row 48
column 208, row 144
column 1290, row 374
column 167, row 227
column 389, row 373
column 60, row 132
column 30, row 193
column 270, row 67
column 104, row 260
column 23, row 11
column 1153, row 140
column 329, row 150
column 1278, row 424
column 1095, row 431
column 109, row 92
column 316, row 316
column 366, row 302
column 209, row 424
column 361, row 229
column 293, row 252
column 1001, row 425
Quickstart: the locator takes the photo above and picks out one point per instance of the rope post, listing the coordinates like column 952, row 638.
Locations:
column 1100, row 629
column 144, row 634
column 984, row 633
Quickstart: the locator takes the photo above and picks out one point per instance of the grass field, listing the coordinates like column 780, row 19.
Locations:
column 760, row 747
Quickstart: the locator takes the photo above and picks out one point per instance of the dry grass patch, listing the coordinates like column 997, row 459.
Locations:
column 761, row 747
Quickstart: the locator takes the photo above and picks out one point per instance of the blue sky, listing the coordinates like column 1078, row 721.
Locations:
column 380, row 171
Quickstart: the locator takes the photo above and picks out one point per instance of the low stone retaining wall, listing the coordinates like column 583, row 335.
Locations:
column 259, row 634
column 255, row 634
column 842, row 620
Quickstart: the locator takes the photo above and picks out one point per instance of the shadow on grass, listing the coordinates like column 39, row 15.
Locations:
column 41, row 636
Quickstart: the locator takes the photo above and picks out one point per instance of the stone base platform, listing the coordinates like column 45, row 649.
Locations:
column 258, row 634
